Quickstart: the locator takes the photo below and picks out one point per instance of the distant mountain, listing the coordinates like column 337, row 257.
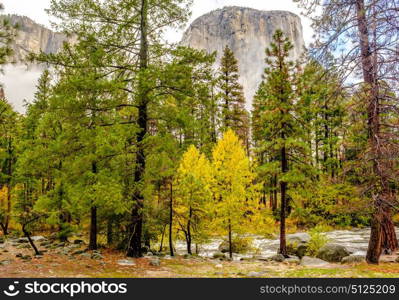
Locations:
column 33, row 37
column 247, row 32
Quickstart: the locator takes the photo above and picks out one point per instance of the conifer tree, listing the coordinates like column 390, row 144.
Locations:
column 278, row 129
column 232, row 100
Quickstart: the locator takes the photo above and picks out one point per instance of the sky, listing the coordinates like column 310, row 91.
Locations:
column 24, row 86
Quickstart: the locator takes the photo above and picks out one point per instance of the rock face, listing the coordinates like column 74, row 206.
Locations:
column 33, row 37
column 247, row 32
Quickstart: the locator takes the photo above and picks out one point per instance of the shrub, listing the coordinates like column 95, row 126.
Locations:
column 316, row 242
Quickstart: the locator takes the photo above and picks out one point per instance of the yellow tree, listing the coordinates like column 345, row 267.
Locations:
column 192, row 194
column 232, row 185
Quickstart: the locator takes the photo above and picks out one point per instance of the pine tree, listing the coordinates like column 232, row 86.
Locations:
column 278, row 130
column 232, row 100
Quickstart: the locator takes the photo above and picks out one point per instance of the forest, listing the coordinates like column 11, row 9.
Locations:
column 136, row 144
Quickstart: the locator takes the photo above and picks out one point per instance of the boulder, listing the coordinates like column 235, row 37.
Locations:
column 5, row 262
column 352, row 259
column 256, row 274
column 96, row 255
column 308, row 261
column 277, row 258
column 298, row 238
column 219, row 255
column 238, row 246
column 155, row 261
column 292, row 260
column 332, row 253
column 78, row 242
column 126, row 262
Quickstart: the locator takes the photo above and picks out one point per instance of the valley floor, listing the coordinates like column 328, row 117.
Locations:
column 70, row 261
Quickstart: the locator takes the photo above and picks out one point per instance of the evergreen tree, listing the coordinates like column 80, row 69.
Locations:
column 278, row 129
column 232, row 100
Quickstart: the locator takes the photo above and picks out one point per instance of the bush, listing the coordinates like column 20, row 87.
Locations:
column 317, row 241
column 239, row 245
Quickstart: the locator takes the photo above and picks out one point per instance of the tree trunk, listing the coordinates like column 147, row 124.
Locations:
column 283, row 186
column 171, row 221
column 374, row 247
column 389, row 241
column 110, row 232
column 27, row 235
column 136, row 223
column 230, row 242
column 381, row 233
column 93, row 228
column 189, row 232
column 163, row 235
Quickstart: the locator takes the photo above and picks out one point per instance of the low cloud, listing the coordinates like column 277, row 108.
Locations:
column 19, row 82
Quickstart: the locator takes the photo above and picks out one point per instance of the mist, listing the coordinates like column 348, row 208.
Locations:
column 19, row 82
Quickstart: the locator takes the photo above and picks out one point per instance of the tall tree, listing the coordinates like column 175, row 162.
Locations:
column 365, row 33
column 278, row 128
column 232, row 100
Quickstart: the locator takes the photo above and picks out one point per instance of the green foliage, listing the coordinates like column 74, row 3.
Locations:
column 316, row 242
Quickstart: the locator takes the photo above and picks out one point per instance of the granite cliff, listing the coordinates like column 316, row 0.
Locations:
column 247, row 32
column 33, row 37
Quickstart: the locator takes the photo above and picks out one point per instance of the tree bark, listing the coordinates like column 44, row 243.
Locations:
column 136, row 223
column 189, row 232
column 283, row 186
column 93, row 228
column 171, row 221
column 230, row 242
column 381, row 229
column 27, row 235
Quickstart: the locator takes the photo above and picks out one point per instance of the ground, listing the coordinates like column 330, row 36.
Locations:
column 54, row 263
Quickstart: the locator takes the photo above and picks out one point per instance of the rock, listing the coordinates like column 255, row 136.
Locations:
column 332, row 253
column 297, row 244
column 298, row 238
column 34, row 37
column 45, row 243
column 26, row 257
column 247, row 32
column 96, row 255
column 149, row 254
column 24, row 246
column 155, row 261
column 277, row 258
column 256, row 274
column 167, row 257
column 2, row 239
column 219, row 255
column 18, row 255
column 85, row 255
column 307, row 261
column 260, row 257
column 351, row 259
column 301, row 251
column 78, row 242
column 5, row 262
column 22, row 240
column 219, row 266
column 292, row 260
column 126, row 262
column 397, row 260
